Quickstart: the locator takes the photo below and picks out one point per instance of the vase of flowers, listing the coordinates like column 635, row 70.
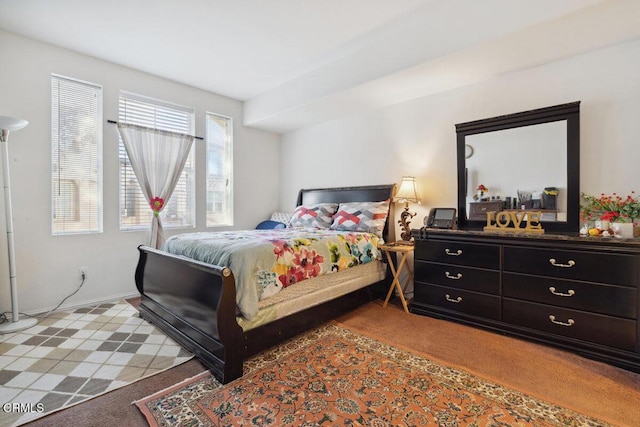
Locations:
column 614, row 209
column 482, row 189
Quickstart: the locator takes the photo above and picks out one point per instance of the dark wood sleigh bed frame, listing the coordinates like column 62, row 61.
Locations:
column 195, row 303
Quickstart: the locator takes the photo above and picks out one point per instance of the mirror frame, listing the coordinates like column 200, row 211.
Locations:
column 569, row 112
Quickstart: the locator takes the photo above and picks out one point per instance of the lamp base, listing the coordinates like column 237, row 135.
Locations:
column 404, row 222
column 9, row 326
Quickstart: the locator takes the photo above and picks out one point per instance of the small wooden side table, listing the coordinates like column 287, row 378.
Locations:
column 403, row 248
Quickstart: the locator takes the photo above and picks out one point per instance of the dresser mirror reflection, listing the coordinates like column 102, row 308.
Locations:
column 528, row 160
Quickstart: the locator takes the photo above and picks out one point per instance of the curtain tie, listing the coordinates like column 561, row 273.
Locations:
column 156, row 205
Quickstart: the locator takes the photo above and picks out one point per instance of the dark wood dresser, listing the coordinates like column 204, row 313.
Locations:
column 478, row 210
column 577, row 293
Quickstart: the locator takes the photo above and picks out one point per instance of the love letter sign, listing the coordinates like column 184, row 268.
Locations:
column 514, row 222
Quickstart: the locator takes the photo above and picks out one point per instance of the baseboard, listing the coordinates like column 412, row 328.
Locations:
column 85, row 303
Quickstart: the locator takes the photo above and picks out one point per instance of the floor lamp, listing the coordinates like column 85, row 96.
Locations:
column 10, row 124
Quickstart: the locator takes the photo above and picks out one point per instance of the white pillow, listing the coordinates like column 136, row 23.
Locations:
column 283, row 217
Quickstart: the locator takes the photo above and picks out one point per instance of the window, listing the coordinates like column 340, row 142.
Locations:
column 135, row 213
column 76, row 156
column 219, row 170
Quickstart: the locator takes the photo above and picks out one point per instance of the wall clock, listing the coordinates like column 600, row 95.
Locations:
column 468, row 151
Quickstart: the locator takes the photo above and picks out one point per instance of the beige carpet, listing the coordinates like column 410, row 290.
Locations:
column 73, row 356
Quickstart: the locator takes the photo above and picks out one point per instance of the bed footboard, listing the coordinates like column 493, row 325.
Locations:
column 195, row 304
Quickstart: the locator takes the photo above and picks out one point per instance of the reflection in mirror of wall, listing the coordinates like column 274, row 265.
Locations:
column 529, row 159
column 536, row 158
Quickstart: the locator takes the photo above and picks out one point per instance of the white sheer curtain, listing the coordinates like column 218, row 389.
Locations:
column 157, row 158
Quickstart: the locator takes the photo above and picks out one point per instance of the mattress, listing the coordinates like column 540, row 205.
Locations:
column 314, row 292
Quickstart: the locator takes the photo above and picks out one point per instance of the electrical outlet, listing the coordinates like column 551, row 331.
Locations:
column 83, row 272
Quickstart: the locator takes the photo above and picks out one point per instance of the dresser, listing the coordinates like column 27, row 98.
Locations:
column 479, row 210
column 577, row 293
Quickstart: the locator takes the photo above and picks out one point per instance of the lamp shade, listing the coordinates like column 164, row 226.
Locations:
column 407, row 191
column 12, row 124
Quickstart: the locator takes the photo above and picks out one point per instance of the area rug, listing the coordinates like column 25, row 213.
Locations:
column 335, row 376
column 73, row 356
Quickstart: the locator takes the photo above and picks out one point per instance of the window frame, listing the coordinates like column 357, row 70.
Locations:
column 57, row 228
column 191, row 162
column 227, row 165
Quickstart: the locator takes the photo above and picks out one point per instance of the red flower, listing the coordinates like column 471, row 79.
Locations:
column 481, row 187
column 293, row 275
column 281, row 248
column 610, row 208
column 609, row 216
column 308, row 261
column 156, row 204
column 306, row 264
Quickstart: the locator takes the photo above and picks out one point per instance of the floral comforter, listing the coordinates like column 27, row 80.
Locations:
column 264, row 262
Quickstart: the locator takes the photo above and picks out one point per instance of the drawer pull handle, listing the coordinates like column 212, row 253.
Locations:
column 451, row 276
column 457, row 300
column 456, row 253
column 569, row 322
column 553, row 262
column 569, row 293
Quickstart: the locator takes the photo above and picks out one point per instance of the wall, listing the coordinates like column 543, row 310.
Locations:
column 47, row 266
column 413, row 138
column 537, row 159
column 418, row 137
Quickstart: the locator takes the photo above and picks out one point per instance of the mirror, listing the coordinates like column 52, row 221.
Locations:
column 548, row 163
column 527, row 160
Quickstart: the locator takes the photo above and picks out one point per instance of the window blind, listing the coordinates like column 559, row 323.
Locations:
column 219, row 170
column 179, row 211
column 76, row 151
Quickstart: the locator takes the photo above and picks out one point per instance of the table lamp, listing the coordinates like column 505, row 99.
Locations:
column 405, row 194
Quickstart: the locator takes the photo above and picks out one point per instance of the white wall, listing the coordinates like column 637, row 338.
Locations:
column 418, row 137
column 47, row 266
column 413, row 138
column 536, row 158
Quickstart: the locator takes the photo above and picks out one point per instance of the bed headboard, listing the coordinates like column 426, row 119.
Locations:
column 368, row 193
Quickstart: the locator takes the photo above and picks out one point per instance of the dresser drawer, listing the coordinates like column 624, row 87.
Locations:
column 479, row 210
column 474, row 279
column 462, row 301
column 617, row 269
column 597, row 328
column 604, row 299
column 467, row 254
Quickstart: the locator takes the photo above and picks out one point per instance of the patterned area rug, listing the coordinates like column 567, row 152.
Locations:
column 71, row 357
column 334, row 376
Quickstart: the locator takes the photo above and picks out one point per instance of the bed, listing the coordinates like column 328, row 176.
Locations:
column 194, row 302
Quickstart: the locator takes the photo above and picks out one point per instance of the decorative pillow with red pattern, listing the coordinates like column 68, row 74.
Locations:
column 361, row 216
column 318, row 216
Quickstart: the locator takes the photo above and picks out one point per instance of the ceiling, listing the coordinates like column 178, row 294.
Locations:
column 295, row 63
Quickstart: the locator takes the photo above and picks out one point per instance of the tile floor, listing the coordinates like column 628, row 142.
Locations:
column 72, row 356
